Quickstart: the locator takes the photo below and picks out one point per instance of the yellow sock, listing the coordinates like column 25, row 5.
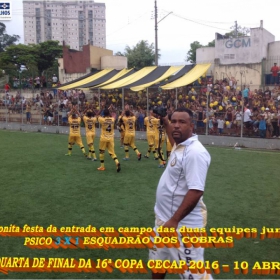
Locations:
column 101, row 157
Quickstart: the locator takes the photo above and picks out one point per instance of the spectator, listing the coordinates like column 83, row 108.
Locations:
column 245, row 95
column 269, row 127
column 54, row 80
column 28, row 112
column 247, row 117
column 274, row 76
column 7, row 88
column 262, row 126
column 221, row 124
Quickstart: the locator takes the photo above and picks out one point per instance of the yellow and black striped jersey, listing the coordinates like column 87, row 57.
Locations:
column 90, row 124
column 129, row 125
column 107, row 127
column 149, row 125
column 75, row 126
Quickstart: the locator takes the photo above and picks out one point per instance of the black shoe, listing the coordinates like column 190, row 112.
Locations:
column 118, row 167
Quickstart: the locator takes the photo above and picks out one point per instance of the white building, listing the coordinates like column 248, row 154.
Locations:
column 75, row 22
column 248, row 59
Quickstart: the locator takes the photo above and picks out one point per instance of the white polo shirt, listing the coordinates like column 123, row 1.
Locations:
column 186, row 170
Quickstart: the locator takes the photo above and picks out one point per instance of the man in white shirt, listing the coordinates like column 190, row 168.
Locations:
column 247, row 117
column 179, row 194
column 54, row 79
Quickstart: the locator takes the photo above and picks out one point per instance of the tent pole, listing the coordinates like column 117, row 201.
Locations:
column 176, row 106
column 99, row 99
column 148, row 111
column 207, row 113
column 99, row 104
column 122, row 98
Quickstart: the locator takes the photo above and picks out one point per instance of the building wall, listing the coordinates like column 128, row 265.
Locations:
column 206, row 55
column 245, row 74
column 95, row 56
column 247, row 49
column 68, row 77
column 273, row 56
column 75, row 22
column 116, row 62
column 76, row 64
column 253, row 56
column 76, row 61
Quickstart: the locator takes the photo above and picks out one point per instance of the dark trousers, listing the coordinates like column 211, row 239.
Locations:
column 275, row 129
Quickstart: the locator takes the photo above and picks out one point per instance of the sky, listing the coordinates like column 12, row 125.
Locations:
column 130, row 21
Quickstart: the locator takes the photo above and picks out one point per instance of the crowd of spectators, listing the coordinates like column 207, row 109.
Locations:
column 219, row 105
column 36, row 83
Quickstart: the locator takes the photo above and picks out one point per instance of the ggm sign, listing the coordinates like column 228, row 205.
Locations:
column 238, row 43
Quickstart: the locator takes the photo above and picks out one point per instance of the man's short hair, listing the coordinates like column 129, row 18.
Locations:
column 182, row 109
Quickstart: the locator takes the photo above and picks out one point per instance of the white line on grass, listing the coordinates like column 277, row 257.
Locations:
column 246, row 150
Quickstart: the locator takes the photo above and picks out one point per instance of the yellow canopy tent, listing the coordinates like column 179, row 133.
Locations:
column 168, row 73
column 188, row 78
column 114, row 78
column 86, row 80
column 130, row 79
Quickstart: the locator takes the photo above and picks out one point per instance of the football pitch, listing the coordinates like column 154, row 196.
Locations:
column 41, row 186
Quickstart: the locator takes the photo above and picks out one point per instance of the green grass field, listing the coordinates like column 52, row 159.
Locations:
column 41, row 186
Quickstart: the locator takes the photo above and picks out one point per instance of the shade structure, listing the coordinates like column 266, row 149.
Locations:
column 80, row 78
column 188, row 78
column 168, row 72
column 177, row 75
column 130, row 79
column 120, row 75
column 100, row 80
column 86, row 80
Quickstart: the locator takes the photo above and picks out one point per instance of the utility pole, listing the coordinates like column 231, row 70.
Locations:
column 156, row 35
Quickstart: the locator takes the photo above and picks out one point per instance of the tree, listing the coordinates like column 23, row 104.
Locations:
column 5, row 39
column 211, row 44
column 49, row 52
column 119, row 54
column 35, row 58
column 238, row 31
column 191, row 55
column 141, row 55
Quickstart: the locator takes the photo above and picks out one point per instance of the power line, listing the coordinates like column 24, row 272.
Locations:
column 200, row 23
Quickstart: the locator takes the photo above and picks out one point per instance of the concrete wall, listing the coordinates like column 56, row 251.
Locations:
column 222, row 141
column 116, row 62
column 247, row 49
column 273, row 56
column 252, row 55
column 76, row 64
column 76, row 61
column 206, row 55
column 95, row 56
column 68, row 77
column 251, row 73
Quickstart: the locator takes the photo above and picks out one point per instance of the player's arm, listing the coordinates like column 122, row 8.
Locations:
column 85, row 111
column 77, row 112
column 111, row 108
